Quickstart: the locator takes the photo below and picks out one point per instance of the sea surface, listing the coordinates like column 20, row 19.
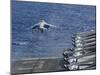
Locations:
column 69, row 19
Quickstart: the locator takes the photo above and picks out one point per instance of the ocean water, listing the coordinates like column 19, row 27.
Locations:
column 70, row 19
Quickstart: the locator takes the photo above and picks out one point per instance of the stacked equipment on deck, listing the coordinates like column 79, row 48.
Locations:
column 83, row 54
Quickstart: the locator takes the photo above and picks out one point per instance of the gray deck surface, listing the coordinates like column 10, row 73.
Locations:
column 39, row 65
column 36, row 65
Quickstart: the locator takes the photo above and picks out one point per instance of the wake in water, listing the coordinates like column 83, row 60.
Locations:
column 20, row 43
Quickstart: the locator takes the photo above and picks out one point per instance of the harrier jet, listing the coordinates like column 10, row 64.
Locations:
column 42, row 26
